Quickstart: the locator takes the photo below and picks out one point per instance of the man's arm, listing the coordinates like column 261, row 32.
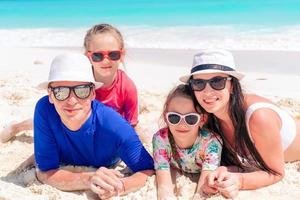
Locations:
column 65, row 180
column 109, row 182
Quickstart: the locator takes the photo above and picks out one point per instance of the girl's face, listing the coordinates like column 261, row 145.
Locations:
column 214, row 101
column 184, row 134
column 104, row 70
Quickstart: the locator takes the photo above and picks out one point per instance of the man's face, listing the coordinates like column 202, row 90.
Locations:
column 73, row 110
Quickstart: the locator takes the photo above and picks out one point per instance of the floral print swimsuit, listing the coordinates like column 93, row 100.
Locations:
column 205, row 154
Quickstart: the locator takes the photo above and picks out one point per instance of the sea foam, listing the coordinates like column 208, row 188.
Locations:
column 176, row 37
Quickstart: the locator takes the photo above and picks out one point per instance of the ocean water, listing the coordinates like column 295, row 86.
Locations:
column 189, row 24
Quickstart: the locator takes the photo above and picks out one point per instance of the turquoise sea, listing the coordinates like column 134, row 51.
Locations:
column 81, row 13
column 238, row 24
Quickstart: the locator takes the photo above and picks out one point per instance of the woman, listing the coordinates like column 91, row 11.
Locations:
column 258, row 136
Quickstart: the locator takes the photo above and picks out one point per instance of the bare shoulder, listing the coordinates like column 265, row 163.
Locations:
column 262, row 116
column 265, row 117
column 264, row 123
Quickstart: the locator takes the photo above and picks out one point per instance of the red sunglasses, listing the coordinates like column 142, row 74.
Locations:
column 99, row 56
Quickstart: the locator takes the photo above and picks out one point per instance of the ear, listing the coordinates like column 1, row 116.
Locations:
column 123, row 56
column 50, row 96
column 93, row 94
column 87, row 55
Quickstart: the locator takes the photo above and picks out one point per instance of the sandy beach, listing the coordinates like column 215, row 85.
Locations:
column 273, row 74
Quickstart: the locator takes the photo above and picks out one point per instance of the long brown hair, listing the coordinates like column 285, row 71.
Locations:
column 243, row 144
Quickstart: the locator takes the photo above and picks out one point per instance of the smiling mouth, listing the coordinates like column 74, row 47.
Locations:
column 70, row 110
column 109, row 67
column 210, row 100
column 182, row 131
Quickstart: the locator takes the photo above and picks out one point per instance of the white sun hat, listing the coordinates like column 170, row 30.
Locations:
column 70, row 67
column 209, row 61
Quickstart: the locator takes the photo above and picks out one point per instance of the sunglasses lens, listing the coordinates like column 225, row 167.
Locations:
column 61, row 93
column 197, row 84
column 114, row 55
column 191, row 119
column 97, row 57
column 173, row 118
column 218, row 83
column 82, row 91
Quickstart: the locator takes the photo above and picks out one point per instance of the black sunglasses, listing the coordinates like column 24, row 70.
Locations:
column 61, row 93
column 190, row 119
column 99, row 56
column 217, row 83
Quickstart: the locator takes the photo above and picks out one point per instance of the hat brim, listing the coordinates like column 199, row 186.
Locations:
column 235, row 74
column 44, row 85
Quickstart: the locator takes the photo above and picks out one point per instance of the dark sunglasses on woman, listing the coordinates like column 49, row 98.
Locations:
column 61, row 93
column 175, row 118
column 99, row 56
column 217, row 83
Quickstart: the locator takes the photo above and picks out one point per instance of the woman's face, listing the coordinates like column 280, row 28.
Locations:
column 184, row 134
column 214, row 101
column 105, row 69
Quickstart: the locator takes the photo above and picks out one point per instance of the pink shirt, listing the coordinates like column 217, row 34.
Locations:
column 121, row 96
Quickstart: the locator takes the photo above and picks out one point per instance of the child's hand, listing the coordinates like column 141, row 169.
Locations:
column 206, row 189
column 216, row 176
column 207, row 181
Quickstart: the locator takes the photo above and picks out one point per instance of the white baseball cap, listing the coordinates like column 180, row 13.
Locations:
column 71, row 67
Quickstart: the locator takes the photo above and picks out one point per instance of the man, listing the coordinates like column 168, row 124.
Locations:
column 71, row 128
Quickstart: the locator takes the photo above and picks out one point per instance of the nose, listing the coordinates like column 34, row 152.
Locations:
column 72, row 99
column 106, row 60
column 182, row 123
column 207, row 88
column 106, row 57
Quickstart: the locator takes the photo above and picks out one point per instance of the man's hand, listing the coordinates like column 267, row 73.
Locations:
column 107, row 183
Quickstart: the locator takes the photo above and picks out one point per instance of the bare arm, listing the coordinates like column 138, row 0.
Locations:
column 65, row 180
column 265, row 127
column 109, row 182
column 136, row 181
column 165, row 186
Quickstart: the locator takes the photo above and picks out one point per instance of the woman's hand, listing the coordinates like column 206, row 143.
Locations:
column 107, row 183
column 227, row 183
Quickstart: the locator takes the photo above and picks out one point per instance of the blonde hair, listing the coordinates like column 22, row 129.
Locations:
column 103, row 28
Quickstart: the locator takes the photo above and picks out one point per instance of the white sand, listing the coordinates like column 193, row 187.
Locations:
column 154, row 72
